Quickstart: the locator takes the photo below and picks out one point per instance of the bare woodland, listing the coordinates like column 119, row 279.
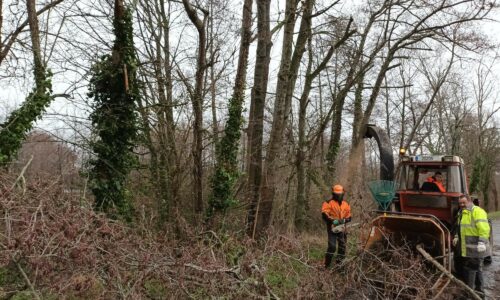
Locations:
column 247, row 113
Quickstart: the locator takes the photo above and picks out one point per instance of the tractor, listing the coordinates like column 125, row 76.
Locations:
column 414, row 209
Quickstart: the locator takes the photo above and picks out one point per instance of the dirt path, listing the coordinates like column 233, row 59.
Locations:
column 491, row 273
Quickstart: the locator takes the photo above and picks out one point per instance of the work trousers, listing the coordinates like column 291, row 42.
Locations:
column 333, row 239
column 472, row 271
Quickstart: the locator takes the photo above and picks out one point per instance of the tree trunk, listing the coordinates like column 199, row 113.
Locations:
column 215, row 129
column 300, row 212
column 355, row 74
column 115, row 94
column 197, row 103
column 167, row 109
column 287, row 78
column 35, row 43
column 20, row 121
column 160, row 136
column 163, row 182
column 256, row 120
column 358, row 111
column 226, row 170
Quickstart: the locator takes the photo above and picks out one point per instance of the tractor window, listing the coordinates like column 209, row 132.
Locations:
column 428, row 179
column 406, row 179
column 454, row 182
column 421, row 178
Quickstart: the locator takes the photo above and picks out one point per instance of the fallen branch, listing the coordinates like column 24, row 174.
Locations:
column 234, row 270
column 27, row 280
column 447, row 273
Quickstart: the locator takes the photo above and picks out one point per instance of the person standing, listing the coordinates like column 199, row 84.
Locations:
column 336, row 212
column 471, row 242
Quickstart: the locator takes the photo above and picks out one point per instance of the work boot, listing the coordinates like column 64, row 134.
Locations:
column 328, row 260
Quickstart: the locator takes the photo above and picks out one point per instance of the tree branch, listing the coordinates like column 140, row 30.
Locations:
column 11, row 38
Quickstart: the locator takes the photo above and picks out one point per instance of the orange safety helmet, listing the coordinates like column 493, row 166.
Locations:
column 337, row 189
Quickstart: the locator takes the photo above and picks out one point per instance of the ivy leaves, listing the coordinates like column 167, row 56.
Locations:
column 114, row 91
column 20, row 122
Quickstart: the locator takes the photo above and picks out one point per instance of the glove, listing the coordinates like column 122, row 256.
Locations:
column 335, row 222
column 481, row 247
column 455, row 240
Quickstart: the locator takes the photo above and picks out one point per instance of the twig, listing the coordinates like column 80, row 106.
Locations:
column 26, row 279
column 270, row 291
column 233, row 270
column 296, row 259
column 21, row 175
column 214, row 235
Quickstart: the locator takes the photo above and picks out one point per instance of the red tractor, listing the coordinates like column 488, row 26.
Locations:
column 423, row 210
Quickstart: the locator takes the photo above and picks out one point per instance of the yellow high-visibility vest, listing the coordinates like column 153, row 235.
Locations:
column 474, row 228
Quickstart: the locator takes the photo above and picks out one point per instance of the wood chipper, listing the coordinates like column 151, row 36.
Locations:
column 415, row 208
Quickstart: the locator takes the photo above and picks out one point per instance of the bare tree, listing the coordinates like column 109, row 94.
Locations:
column 154, row 24
column 9, row 40
column 311, row 75
column 256, row 119
column 196, row 95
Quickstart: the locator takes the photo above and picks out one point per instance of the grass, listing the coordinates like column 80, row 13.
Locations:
column 284, row 275
column 494, row 215
column 155, row 289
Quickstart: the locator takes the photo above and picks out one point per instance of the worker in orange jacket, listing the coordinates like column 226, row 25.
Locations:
column 336, row 212
column 437, row 179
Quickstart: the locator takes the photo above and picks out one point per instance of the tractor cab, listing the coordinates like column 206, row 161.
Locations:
column 430, row 184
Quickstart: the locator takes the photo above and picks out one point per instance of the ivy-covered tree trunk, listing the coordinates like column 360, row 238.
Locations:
column 114, row 89
column 20, row 122
column 226, row 170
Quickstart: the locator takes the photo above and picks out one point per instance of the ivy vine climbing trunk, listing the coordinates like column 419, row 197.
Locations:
column 20, row 122
column 115, row 92
column 226, row 169
column 197, row 102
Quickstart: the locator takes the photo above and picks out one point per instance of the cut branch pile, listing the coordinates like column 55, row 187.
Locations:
column 54, row 245
column 57, row 245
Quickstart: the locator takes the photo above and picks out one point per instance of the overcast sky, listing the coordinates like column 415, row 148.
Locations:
column 13, row 93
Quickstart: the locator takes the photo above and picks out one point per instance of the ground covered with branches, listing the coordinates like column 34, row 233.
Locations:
column 55, row 246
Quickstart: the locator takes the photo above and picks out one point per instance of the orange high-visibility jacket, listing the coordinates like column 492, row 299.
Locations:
column 332, row 209
column 439, row 184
